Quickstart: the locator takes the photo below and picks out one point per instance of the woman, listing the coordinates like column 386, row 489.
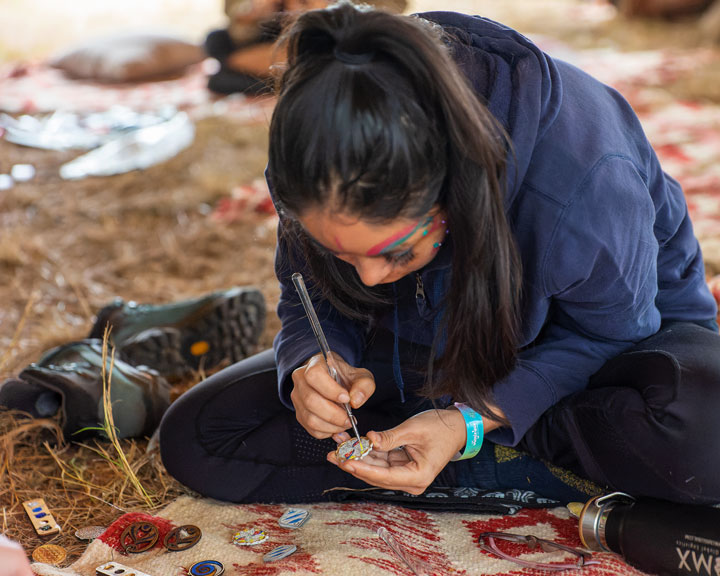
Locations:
column 493, row 249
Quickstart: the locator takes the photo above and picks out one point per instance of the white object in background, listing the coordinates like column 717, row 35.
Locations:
column 22, row 172
column 136, row 150
column 6, row 182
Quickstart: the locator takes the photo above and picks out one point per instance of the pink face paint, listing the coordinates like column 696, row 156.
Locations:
column 338, row 243
column 395, row 239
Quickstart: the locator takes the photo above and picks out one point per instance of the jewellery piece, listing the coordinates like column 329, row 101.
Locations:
column 182, row 538
column 89, row 532
column 207, row 568
column 139, row 537
column 117, row 569
column 354, row 449
column 474, row 432
column 416, row 565
column 581, row 557
column 49, row 554
column 41, row 518
column 249, row 537
column 294, row 518
column 279, row 553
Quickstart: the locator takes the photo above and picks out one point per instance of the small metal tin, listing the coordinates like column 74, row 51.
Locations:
column 354, row 449
column 249, row 537
column 139, row 537
column 182, row 538
column 294, row 518
column 49, row 554
column 279, row 553
column 207, row 568
column 89, row 532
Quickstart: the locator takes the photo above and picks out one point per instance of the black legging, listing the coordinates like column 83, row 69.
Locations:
column 647, row 424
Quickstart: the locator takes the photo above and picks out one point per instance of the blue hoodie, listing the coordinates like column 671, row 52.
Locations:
column 604, row 235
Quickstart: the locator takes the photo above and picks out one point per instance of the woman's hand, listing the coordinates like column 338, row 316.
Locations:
column 410, row 456
column 317, row 397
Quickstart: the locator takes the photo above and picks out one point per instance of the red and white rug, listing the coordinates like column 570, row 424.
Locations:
column 337, row 539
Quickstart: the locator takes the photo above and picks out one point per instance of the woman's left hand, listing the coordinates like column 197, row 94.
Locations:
column 410, row 456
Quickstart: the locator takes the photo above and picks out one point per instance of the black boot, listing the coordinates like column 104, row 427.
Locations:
column 70, row 378
column 176, row 339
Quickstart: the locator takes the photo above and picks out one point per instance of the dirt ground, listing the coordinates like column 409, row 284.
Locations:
column 68, row 248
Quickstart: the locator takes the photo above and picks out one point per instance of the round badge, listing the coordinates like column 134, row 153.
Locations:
column 89, row 532
column 279, row 553
column 249, row 537
column 139, row 537
column 354, row 449
column 49, row 554
column 182, row 538
column 207, row 568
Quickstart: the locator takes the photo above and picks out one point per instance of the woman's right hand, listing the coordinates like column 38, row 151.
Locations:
column 318, row 398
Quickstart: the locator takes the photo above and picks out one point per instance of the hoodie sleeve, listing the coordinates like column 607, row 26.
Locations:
column 600, row 275
column 295, row 342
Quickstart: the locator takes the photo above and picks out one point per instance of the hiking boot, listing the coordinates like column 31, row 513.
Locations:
column 69, row 378
column 179, row 338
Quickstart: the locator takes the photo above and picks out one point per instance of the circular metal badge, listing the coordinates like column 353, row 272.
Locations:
column 49, row 554
column 139, row 537
column 89, row 532
column 249, row 537
column 182, row 538
column 354, row 449
column 207, row 568
column 279, row 553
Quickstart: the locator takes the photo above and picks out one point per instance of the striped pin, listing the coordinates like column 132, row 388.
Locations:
column 294, row 518
column 279, row 553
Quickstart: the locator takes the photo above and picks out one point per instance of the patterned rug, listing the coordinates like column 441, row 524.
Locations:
column 36, row 88
column 338, row 538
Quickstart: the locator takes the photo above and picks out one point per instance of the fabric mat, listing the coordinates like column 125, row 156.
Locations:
column 36, row 88
column 337, row 539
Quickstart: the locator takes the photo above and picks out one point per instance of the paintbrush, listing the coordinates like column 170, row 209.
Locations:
column 322, row 342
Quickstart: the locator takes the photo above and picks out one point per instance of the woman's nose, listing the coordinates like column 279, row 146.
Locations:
column 372, row 271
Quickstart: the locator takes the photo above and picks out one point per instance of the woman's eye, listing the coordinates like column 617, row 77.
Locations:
column 401, row 257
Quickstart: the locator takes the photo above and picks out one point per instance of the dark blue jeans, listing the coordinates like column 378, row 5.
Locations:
column 647, row 424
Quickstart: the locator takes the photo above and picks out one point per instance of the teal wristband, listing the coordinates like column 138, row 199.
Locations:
column 474, row 431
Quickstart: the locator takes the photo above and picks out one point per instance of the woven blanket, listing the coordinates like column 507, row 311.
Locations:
column 338, row 538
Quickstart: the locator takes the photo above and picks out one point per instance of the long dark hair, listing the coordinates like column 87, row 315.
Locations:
column 374, row 119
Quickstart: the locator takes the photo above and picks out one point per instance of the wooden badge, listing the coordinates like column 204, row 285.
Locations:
column 41, row 518
column 139, row 537
column 182, row 538
column 117, row 569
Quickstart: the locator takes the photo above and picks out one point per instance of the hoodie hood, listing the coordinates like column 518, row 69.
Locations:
column 521, row 85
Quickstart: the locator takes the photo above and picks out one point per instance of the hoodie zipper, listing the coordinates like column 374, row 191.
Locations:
column 420, row 299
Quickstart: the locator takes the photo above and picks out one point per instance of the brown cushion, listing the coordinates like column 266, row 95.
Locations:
column 129, row 58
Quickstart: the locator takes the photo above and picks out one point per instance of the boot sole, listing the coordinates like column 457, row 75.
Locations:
column 225, row 330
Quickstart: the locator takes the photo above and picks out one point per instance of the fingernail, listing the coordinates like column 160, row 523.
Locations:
column 358, row 399
column 343, row 398
column 347, row 423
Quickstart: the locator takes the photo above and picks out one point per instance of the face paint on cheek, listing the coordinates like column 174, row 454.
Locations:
column 394, row 240
column 338, row 244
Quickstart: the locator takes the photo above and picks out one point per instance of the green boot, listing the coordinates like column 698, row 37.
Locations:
column 179, row 338
column 69, row 378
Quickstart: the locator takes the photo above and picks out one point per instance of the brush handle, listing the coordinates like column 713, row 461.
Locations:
column 322, row 341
